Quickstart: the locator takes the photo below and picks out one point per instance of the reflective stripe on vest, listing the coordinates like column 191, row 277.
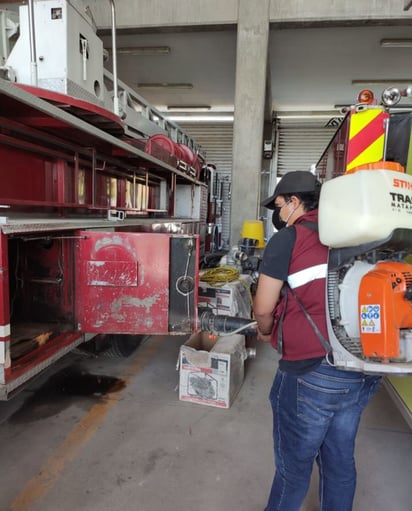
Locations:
column 302, row 277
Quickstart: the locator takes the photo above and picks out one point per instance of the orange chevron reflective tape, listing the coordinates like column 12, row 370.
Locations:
column 366, row 137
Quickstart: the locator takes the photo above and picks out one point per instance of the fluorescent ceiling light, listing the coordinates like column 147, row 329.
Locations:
column 165, row 85
column 396, row 43
column 313, row 114
column 143, row 50
column 189, row 108
column 201, row 118
column 377, row 81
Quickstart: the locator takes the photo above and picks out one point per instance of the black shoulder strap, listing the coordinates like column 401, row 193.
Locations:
column 284, row 292
column 325, row 343
column 313, row 226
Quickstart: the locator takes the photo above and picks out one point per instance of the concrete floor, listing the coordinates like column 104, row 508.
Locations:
column 140, row 448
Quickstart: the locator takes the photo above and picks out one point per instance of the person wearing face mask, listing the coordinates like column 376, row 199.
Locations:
column 316, row 407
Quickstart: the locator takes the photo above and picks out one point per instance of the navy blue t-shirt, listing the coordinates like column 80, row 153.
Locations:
column 277, row 254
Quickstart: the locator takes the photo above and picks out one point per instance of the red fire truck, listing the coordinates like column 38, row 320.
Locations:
column 102, row 213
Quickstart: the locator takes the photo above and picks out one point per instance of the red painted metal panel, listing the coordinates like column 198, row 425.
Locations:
column 100, row 117
column 122, row 282
column 23, row 175
column 111, row 273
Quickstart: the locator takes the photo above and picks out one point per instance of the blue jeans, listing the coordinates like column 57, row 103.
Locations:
column 316, row 417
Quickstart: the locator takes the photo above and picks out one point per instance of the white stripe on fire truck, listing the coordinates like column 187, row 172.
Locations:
column 307, row 275
column 4, row 331
column 4, row 334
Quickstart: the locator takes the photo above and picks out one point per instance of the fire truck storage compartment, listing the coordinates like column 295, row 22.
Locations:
column 41, row 291
column 65, row 284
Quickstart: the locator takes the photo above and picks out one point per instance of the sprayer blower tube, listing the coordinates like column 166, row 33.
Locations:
column 220, row 324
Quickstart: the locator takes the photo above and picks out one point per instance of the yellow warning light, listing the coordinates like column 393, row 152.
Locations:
column 366, row 97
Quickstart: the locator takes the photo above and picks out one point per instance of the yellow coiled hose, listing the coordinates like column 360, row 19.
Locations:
column 217, row 277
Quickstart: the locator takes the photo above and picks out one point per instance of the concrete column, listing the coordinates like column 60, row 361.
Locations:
column 251, row 68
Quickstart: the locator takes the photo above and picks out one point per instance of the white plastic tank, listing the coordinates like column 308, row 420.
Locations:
column 364, row 206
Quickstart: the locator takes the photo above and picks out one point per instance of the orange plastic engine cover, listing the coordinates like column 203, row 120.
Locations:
column 383, row 309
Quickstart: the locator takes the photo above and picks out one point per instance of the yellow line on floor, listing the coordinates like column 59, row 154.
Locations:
column 49, row 474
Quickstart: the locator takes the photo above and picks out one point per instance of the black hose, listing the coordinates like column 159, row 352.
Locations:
column 220, row 324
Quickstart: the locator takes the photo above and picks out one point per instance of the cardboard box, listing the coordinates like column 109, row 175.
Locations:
column 232, row 299
column 211, row 372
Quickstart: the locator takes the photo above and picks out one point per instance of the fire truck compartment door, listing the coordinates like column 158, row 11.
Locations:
column 122, row 282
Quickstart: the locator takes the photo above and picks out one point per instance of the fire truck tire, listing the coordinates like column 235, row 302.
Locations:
column 121, row 346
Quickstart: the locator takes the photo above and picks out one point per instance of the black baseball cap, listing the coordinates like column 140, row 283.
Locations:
column 298, row 181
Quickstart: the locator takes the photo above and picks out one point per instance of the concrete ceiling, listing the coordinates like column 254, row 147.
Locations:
column 311, row 68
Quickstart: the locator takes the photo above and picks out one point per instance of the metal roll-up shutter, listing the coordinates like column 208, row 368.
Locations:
column 299, row 148
column 216, row 139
